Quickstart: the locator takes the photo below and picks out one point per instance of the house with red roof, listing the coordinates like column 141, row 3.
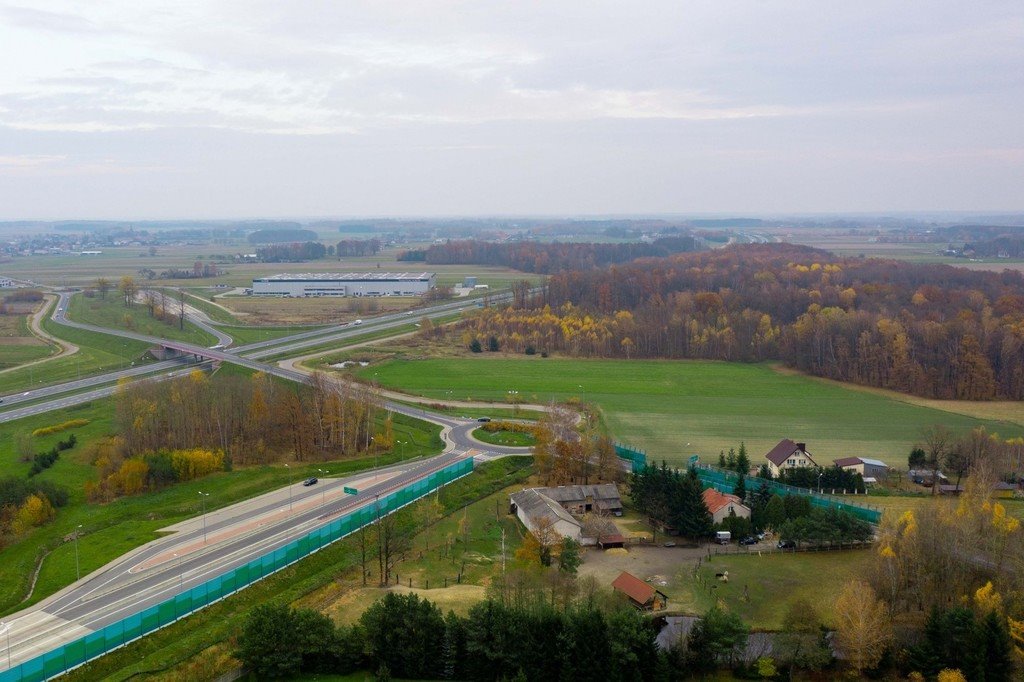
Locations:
column 640, row 594
column 721, row 504
column 789, row 455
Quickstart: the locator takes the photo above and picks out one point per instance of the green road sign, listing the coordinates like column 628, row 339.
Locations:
column 350, row 491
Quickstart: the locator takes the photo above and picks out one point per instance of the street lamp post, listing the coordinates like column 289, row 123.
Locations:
column 180, row 581
column 289, row 488
column 323, row 489
column 78, row 572
column 203, row 496
column 819, row 481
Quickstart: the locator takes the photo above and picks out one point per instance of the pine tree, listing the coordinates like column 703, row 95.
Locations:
column 721, row 459
column 740, row 490
column 742, row 461
column 691, row 516
column 996, row 648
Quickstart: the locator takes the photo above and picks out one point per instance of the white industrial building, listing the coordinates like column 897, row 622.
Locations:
column 6, row 283
column 345, row 284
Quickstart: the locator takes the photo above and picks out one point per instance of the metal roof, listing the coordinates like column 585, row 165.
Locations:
column 347, row 277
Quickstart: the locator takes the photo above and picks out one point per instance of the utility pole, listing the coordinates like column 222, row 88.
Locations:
column 502, row 551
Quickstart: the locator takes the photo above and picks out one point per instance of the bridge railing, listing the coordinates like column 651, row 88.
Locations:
column 84, row 649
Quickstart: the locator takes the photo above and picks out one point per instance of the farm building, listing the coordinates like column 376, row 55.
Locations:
column 720, row 504
column 640, row 594
column 6, row 283
column 868, row 468
column 584, row 499
column 344, row 284
column 538, row 511
column 924, row 476
column 789, row 455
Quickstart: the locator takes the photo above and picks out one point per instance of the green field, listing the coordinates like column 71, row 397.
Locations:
column 112, row 529
column 770, row 583
column 503, row 437
column 662, row 406
column 112, row 313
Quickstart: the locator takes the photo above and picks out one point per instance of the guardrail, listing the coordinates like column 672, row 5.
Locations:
column 126, row 630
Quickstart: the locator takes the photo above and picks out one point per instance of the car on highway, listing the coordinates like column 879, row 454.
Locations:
column 358, row 322
column 787, row 544
column 483, row 419
column 312, row 480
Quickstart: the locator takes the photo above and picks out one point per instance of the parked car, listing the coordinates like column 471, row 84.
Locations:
column 484, row 419
column 749, row 540
column 787, row 544
column 312, row 480
column 669, row 544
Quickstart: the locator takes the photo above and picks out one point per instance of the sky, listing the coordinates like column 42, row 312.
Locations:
column 250, row 108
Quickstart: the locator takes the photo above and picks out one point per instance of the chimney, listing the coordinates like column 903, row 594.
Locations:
column 802, row 447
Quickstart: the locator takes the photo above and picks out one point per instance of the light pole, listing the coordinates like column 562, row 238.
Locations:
column 323, row 489
column 203, row 496
column 78, row 572
column 819, row 481
column 7, row 630
column 180, row 582
column 402, row 449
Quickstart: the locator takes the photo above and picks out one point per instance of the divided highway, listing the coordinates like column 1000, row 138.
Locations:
column 229, row 537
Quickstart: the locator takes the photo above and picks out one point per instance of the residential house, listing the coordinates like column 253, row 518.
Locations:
column 721, row 504
column 539, row 512
column 1003, row 489
column 871, row 469
column 641, row 595
column 789, row 455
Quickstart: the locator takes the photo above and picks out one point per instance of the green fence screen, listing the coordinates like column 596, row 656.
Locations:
column 132, row 627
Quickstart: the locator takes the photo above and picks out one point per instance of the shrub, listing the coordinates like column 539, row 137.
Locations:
column 57, row 428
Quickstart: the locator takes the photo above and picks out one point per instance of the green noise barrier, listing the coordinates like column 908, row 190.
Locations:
column 725, row 481
column 67, row 656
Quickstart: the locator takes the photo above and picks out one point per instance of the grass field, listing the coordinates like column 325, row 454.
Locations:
column 112, row 313
column 112, row 529
column 770, row 582
column 17, row 343
column 97, row 353
column 673, row 409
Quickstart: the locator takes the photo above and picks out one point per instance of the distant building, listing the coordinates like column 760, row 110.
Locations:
column 6, row 283
column 924, row 476
column 583, row 499
column 789, row 455
column 868, row 468
column 721, row 504
column 555, row 508
column 344, row 284
column 640, row 594
column 468, row 282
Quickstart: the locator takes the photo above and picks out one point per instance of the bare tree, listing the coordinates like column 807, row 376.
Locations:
column 103, row 285
column 937, row 441
column 181, row 308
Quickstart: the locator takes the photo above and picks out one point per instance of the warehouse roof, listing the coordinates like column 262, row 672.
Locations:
column 346, row 277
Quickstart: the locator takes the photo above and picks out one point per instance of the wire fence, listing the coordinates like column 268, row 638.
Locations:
column 725, row 481
column 72, row 654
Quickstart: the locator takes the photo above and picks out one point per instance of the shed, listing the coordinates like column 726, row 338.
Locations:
column 640, row 594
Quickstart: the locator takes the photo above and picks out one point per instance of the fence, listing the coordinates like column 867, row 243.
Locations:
column 725, row 481
column 75, row 653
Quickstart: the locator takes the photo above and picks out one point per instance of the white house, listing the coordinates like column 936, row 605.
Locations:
column 789, row 455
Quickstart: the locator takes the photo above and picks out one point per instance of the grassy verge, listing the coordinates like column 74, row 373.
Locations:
column 674, row 409
column 207, row 633
column 513, row 438
column 112, row 313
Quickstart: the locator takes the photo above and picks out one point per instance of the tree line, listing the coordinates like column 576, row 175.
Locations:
column 927, row 329
column 291, row 253
column 253, row 420
column 545, row 257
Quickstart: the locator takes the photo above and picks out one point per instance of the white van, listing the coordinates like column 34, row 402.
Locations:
column 723, row 537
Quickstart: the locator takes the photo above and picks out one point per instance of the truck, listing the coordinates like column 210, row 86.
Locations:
column 723, row 537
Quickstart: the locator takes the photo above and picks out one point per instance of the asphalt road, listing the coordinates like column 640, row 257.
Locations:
column 115, row 592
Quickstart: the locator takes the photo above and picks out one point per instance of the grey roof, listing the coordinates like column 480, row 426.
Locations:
column 346, row 277
column 537, row 506
column 579, row 493
column 874, row 462
column 677, row 628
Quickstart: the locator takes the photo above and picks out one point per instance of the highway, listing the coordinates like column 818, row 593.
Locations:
column 223, row 539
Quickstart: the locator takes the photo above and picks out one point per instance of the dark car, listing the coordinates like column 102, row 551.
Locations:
column 312, row 480
column 787, row 544
column 749, row 540
column 484, row 419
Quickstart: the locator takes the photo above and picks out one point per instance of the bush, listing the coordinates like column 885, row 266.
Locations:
column 43, row 460
column 515, row 427
column 57, row 428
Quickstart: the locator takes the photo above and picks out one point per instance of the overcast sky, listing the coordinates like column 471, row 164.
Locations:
column 138, row 109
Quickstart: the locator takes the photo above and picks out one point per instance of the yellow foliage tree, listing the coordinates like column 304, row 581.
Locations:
column 34, row 511
column 196, row 463
column 864, row 630
column 948, row 675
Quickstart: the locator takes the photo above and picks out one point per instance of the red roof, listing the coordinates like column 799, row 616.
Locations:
column 716, row 500
column 633, row 587
column 847, row 462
